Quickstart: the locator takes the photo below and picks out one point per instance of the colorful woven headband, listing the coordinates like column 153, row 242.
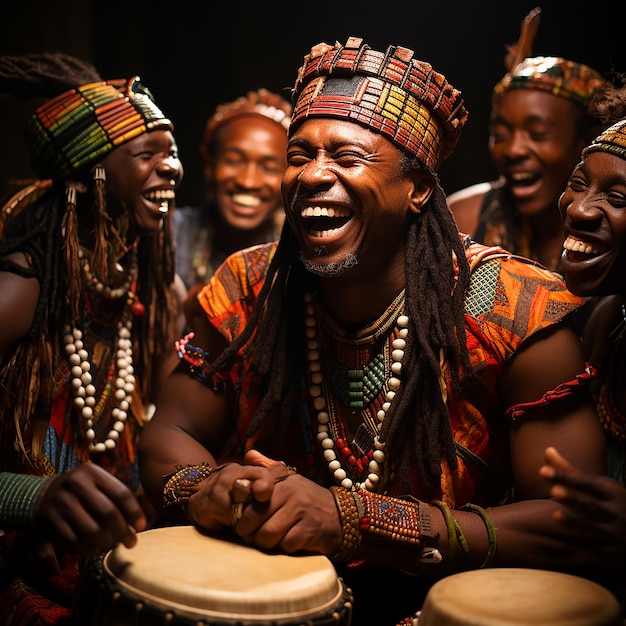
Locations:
column 557, row 76
column 81, row 126
column 388, row 92
column 612, row 140
column 259, row 102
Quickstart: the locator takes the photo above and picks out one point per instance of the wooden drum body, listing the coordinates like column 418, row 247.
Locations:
column 518, row 597
column 178, row 576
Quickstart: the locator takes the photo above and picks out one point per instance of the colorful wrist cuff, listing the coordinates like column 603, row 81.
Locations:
column 182, row 484
column 398, row 520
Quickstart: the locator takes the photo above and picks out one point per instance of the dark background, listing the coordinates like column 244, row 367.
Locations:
column 194, row 54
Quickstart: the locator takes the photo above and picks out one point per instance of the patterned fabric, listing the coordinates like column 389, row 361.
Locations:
column 388, row 92
column 508, row 301
column 81, row 126
column 612, row 140
column 560, row 77
column 29, row 598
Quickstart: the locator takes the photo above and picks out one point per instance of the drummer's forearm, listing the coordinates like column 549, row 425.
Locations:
column 431, row 539
column 162, row 451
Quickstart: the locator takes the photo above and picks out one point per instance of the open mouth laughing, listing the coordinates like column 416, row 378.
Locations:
column 163, row 197
column 324, row 222
column 579, row 250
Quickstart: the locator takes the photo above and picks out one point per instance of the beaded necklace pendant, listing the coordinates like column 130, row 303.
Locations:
column 358, row 374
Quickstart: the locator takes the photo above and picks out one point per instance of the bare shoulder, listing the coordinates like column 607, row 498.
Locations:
column 17, row 305
column 605, row 322
column 465, row 205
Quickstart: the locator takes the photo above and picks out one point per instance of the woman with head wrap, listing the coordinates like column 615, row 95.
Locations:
column 89, row 310
column 543, row 114
column 410, row 377
column 593, row 208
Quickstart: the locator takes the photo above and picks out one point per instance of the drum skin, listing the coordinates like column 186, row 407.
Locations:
column 179, row 576
column 518, row 597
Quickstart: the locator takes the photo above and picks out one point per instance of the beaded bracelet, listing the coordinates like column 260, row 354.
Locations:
column 182, row 484
column 456, row 537
column 491, row 532
column 349, row 514
column 20, row 493
column 402, row 520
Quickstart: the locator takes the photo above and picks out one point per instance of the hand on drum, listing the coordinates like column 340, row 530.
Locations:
column 89, row 510
column 269, row 507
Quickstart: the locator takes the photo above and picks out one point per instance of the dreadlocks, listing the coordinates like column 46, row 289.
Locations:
column 42, row 222
column 435, row 292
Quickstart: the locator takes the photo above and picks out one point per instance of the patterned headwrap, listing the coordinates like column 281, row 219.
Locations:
column 388, row 92
column 260, row 102
column 79, row 127
column 560, row 77
column 612, row 140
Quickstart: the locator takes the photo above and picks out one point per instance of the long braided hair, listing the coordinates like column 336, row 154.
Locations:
column 42, row 223
column 417, row 427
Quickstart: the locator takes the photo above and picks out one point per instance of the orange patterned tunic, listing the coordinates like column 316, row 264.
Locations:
column 509, row 299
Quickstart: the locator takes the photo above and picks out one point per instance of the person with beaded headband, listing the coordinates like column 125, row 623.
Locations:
column 89, row 313
column 543, row 113
column 593, row 208
column 243, row 153
column 374, row 386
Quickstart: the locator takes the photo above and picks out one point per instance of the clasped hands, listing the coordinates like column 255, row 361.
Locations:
column 269, row 506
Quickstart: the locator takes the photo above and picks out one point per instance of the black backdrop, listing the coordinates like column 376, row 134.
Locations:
column 193, row 54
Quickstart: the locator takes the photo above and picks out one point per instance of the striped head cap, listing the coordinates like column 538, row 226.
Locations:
column 560, row 77
column 612, row 140
column 78, row 128
column 389, row 92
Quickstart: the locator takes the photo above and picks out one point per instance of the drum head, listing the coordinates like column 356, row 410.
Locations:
column 518, row 597
column 184, row 570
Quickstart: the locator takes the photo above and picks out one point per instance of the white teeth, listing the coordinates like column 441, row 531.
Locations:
column 324, row 233
column 164, row 207
column 246, row 200
column 519, row 176
column 576, row 245
column 160, row 195
column 318, row 211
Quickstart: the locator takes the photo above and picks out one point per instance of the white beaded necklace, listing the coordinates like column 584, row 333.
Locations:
column 102, row 289
column 82, row 386
column 319, row 395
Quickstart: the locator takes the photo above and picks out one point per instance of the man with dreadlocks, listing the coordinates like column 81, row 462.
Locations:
column 375, row 387
column 89, row 313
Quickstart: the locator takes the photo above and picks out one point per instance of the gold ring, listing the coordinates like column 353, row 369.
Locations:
column 237, row 511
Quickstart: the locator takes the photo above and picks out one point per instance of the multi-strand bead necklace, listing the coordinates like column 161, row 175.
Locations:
column 123, row 382
column 371, row 384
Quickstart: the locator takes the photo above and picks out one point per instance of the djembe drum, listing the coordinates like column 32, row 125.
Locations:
column 518, row 597
column 178, row 576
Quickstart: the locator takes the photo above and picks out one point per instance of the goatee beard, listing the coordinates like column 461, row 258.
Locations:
column 329, row 269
